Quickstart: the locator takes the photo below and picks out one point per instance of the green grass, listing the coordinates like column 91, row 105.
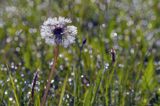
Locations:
column 133, row 80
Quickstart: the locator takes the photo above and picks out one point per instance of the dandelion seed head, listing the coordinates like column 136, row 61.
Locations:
column 56, row 31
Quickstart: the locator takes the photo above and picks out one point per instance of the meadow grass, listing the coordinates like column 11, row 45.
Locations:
column 85, row 74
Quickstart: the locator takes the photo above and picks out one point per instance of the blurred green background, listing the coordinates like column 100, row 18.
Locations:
column 131, row 27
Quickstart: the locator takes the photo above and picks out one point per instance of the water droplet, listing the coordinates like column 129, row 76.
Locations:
column 120, row 65
column 16, row 38
column 32, row 30
column 132, row 51
column 38, row 55
column 8, row 40
column 67, row 96
column 61, row 67
column 1, row 81
column 106, row 65
column 17, row 49
column 8, row 79
column 15, row 80
column 69, row 79
column 15, row 67
column 72, row 73
column 61, row 55
column 22, row 75
column 103, row 25
column 114, row 34
column 127, row 93
column 60, row 82
column 52, row 81
column 66, row 59
column 5, row 92
column 51, row 63
column 20, row 63
column 10, row 99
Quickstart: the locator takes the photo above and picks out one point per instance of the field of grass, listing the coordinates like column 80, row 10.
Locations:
column 125, row 30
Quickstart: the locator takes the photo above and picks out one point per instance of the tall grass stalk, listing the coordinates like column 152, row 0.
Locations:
column 14, row 91
column 63, row 91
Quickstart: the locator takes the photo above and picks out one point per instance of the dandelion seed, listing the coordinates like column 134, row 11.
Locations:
column 55, row 31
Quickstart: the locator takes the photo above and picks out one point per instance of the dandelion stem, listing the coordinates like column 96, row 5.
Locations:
column 53, row 70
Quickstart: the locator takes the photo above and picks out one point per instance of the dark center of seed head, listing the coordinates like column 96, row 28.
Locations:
column 58, row 31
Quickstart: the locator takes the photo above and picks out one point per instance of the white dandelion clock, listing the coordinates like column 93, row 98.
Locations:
column 56, row 31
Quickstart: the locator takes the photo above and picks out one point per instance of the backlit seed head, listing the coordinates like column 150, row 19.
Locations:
column 56, row 31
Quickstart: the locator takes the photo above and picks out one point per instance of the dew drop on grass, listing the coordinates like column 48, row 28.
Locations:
column 60, row 82
column 1, row 81
column 16, row 38
column 127, row 93
column 61, row 55
column 85, row 50
column 5, row 69
column 6, row 92
column 66, row 59
column 37, row 89
column 103, row 25
column 18, row 49
column 90, row 51
column 132, row 51
column 15, row 67
column 52, row 81
column 50, row 63
column 10, row 99
column 8, row 79
column 61, row 67
column 32, row 30
column 120, row 65
column 17, row 86
column 37, row 82
column 23, row 68
column 22, row 75
column 19, row 63
column 69, row 79
column 72, row 73
column 38, row 55
column 106, row 65
column 8, row 40
column 113, row 35
column 15, row 80
column 12, row 66
column 67, row 96
column 28, row 94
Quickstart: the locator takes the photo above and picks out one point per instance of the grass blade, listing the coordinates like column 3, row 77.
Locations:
column 14, row 91
column 63, row 91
